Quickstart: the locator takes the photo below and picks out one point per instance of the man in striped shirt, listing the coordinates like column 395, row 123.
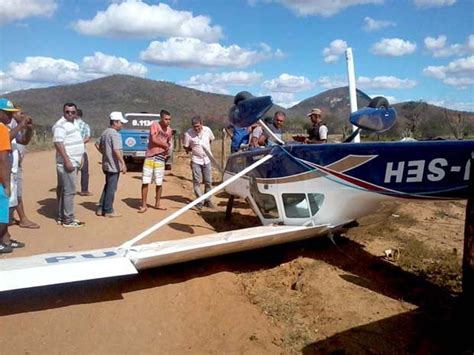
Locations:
column 69, row 146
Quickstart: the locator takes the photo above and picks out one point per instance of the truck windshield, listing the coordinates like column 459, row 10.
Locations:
column 140, row 121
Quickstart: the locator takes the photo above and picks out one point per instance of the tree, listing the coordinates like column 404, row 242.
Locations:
column 458, row 123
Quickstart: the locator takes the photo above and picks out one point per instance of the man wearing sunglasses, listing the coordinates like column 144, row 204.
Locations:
column 69, row 146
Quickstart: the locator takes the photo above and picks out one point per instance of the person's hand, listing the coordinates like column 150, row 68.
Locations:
column 68, row 166
column 123, row 168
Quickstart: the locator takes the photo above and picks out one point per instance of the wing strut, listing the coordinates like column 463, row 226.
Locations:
column 208, row 194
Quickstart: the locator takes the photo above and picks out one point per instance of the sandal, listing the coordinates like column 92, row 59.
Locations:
column 16, row 244
column 142, row 209
column 31, row 225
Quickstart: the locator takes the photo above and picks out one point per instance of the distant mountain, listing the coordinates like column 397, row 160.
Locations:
column 97, row 98
column 126, row 93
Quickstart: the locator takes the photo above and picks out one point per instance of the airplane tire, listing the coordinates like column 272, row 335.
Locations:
column 243, row 95
column 378, row 102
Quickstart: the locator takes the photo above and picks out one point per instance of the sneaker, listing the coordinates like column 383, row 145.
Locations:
column 198, row 207
column 16, row 244
column 59, row 221
column 73, row 224
column 113, row 215
column 5, row 248
column 99, row 213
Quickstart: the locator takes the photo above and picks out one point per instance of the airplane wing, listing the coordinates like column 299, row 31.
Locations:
column 57, row 268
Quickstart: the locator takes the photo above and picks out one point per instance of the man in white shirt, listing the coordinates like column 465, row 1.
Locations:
column 196, row 140
column 69, row 146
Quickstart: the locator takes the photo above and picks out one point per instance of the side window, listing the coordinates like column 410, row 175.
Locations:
column 315, row 202
column 265, row 202
column 296, row 205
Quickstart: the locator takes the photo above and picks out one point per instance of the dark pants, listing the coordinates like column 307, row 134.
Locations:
column 85, row 173
column 106, row 203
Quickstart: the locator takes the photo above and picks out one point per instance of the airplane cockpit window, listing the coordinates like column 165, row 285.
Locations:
column 265, row 202
column 296, row 204
column 315, row 202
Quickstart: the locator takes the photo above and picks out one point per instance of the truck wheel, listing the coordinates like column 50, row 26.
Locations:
column 378, row 102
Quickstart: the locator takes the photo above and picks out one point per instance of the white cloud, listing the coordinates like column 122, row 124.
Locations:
column 287, row 83
column 39, row 71
column 458, row 73
column 324, row 8
column 437, row 46
column 284, row 99
column 107, row 64
column 12, row 10
column 7, row 84
column 371, row 25
column 332, row 82
column 453, row 105
column 219, row 83
column 384, row 82
column 334, row 51
column 364, row 82
column 45, row 70
column 136, row 19
column 433, row 3
column 192, row 52
column 393, row 47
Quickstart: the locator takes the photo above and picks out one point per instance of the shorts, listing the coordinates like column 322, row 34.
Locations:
column 4, row 210
column 153, row 168
column 14, row 190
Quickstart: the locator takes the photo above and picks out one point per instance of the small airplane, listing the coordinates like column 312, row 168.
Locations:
column 298, row 191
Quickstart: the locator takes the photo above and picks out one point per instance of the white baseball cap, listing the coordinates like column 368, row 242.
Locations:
column 117, row 116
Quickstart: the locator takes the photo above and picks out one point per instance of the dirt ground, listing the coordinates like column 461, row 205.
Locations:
column 323, row 295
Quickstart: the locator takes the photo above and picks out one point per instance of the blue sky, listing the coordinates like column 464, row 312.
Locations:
column 289, row 49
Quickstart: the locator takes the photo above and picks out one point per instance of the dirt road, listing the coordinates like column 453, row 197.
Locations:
column 308, row 297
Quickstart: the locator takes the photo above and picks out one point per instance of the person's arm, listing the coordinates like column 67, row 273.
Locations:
column 87, row 136
column 5, row 169
column 118, row 154
column 59, row 134
column 228, row 132
column 98, row 146
column 62, row 152
column 187, row 143
column 155, row 138
column 26, row 132
column 262, row 139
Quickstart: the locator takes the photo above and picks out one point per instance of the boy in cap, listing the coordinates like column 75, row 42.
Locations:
column 318, row 133
column 6, row 113
column 110, row 146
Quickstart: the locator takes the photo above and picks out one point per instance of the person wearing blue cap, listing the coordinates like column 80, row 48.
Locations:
column 6, row 113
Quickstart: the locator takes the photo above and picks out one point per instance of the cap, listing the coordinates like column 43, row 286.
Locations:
column 117, row 116
column 315, row 111
column 7, row 105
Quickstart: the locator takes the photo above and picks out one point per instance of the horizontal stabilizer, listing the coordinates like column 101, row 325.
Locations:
column 51, row 269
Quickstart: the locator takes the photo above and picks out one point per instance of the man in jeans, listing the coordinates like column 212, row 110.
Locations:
column 110, row 145
column 197, row 140
column 69, row 151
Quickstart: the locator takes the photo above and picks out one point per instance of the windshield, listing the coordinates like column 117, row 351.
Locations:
column 140, row 121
